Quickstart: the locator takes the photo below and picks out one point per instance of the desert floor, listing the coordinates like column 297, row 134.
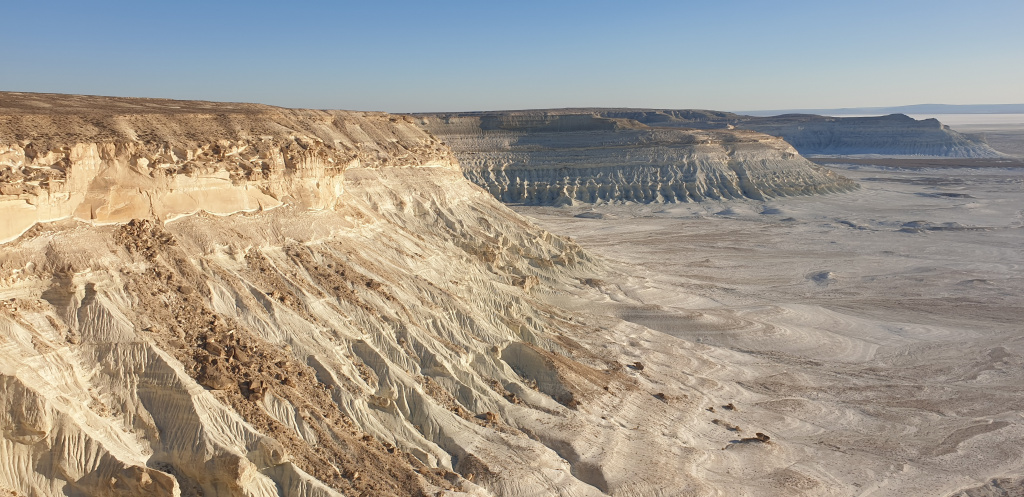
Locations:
column 877, row 334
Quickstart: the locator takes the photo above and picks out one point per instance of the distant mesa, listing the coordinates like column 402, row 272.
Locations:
column 892, row 134
column 569, row 156
column 902, row 109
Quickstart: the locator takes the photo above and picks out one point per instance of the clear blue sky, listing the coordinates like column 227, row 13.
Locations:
column 434, row 55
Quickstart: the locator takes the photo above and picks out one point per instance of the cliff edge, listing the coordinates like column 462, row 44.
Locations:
column 109, row 160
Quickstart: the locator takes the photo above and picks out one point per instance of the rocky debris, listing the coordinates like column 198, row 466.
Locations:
column 442, row 396
column 509, row 396
column 139, row 481
column 565, row 380
column 214, row 378
column 489, row 417
column 254, row 390
column 145, row 237
column 525, row 282
column 757, row 438
column 226, row 357
column 726, row 425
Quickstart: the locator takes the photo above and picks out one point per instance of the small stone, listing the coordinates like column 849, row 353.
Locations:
column 214, row 349
column 216, row 381
column 239, row 355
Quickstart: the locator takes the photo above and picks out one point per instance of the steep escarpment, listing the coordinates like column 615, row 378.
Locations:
column 383, row 331
column 561, row 157
column 112, row 160
column 895, row 134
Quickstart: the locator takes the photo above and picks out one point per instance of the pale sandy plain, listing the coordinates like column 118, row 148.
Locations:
column 876, row 335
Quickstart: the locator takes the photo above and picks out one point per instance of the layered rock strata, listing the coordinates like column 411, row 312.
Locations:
column 562, row 157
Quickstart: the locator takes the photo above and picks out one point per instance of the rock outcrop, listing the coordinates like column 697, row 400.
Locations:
column 113, row 160
column 377, row 333
column 565, row 156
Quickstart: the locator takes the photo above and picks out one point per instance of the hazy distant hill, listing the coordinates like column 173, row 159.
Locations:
column 903, row 109
column 810, row 134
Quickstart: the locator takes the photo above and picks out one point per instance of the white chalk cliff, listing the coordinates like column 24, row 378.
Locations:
column 61, row 159
column 566, row 156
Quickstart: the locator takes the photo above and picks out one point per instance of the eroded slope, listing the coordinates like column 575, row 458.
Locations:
column 384, row 331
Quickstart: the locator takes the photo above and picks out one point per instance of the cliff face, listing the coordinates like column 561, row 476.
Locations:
column 112, row 160
column 561, row 157
column 387, row 341
column 894, row 134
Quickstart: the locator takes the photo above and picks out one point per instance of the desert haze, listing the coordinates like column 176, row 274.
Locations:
column 204, row 298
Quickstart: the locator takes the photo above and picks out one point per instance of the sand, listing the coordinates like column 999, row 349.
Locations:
column 875, row 335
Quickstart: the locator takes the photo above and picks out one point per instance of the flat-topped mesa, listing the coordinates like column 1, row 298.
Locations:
column 894, row 134
column 566, row 156
column 109, row 160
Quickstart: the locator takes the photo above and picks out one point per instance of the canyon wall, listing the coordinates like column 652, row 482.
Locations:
column 562, row 157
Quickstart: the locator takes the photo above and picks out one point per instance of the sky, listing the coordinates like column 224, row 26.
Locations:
column 427, row 56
